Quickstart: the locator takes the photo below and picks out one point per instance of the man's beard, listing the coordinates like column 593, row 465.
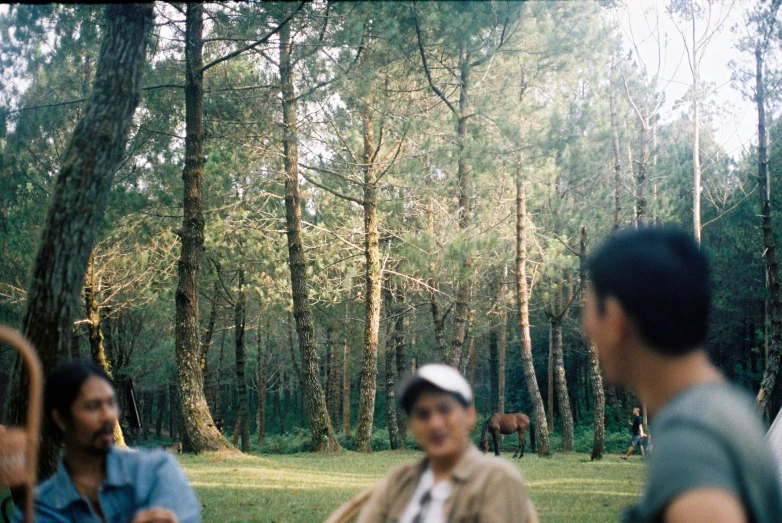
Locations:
column 103, row 448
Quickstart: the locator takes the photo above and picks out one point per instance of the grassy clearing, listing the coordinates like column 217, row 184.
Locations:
column 305, row 487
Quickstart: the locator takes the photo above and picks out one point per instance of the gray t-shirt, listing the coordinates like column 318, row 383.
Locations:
column 709, row 436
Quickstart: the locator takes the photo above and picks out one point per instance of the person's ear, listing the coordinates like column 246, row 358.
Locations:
column 58, row 420
column 616, row 321
column 472, row 416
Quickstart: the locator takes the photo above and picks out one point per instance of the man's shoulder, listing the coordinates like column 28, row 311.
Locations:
column 477, row 464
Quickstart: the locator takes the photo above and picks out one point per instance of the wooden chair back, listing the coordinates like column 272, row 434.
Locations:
column 19, row 446
column 350, row 509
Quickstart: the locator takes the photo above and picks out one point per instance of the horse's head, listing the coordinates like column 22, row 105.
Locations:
column 485, row 444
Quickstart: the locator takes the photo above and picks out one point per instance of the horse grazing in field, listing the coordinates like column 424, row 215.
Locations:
column 504, row 424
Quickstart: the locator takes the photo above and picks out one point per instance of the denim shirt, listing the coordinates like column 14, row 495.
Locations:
column 135, row 480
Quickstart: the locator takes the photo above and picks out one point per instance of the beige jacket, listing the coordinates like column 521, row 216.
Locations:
column 485, row 489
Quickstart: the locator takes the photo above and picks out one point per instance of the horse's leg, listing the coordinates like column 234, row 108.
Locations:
column 522, row 442
column 495, row 437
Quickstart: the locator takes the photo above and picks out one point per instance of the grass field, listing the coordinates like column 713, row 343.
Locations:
column 305, row 488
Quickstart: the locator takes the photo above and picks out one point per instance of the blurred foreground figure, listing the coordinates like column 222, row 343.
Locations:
column 96, row 482
column 455, row 482
column 647, row 311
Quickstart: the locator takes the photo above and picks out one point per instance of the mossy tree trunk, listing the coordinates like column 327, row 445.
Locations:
column 82, row 187
column 368, row 383
column 200, row 434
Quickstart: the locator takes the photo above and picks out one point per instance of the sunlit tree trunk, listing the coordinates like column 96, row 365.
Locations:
column 368, row 387
column 522, row 296
column 322, row 433
column 769, row 246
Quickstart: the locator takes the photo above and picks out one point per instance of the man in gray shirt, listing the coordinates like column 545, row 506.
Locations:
column 647, row 312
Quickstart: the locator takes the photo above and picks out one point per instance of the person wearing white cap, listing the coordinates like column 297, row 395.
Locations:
column 455, row 481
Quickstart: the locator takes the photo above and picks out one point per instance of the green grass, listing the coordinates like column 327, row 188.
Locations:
column 305, row 487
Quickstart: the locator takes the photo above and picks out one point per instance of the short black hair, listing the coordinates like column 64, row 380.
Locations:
column 661, row 278
column 408, row 399
column 63, row 386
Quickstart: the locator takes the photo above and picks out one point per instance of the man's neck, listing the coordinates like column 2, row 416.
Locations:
column 442, row 467
column 85, row 466
column 657, row 379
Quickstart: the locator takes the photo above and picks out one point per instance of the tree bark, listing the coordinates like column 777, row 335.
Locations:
column 242, row 427
column 502, row 342
column 595, row 378
column 323, row 438
column 464, row 287
column 563, row 398
column 82, row 187
column 368, row 387
column 200, row 434
column 522, row 294
column 264, row 353
column 206, row 344
column 615, row 136
column 494, row 378
column 769, row 246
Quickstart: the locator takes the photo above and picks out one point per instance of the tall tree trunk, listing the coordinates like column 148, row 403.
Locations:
column 595, row 378
column 323, row 438
column 391, row 364
column 368, row 387
column 522, row 293
column 494, row 378
column 438, row 317
column 206, row 344
column 264, row 353
column 393, row 428
column 218, row 386
column 502, row 342
column 563, row 398
column 640, row 176
column 550, row 380
column 242, row 427
column 172, row 401
column 346, row 381
column 82, row 187
column 615, row 136
column 464, row 287
column 200, row 434
column 769, row 247
column 161, row 410
column 696, row 139
column 400, row 332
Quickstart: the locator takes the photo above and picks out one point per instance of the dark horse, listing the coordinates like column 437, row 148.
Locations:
column 504, row 424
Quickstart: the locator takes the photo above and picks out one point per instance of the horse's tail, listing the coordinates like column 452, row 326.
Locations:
column 484, row 433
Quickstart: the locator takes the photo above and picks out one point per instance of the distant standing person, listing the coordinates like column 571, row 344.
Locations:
column 96, row 482
column 638, row 433
column 647, row 311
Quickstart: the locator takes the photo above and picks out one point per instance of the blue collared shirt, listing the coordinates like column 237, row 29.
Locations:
column 135, row 480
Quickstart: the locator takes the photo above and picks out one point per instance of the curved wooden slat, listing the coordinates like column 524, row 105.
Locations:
column 10, row 439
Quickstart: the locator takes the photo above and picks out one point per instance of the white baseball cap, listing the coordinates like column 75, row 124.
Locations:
column 439, row 376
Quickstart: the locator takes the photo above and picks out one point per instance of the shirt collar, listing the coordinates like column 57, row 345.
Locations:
column 462, row 471
column 65, row 492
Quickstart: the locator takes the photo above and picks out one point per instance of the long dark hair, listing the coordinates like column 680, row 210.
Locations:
column 63, row 386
